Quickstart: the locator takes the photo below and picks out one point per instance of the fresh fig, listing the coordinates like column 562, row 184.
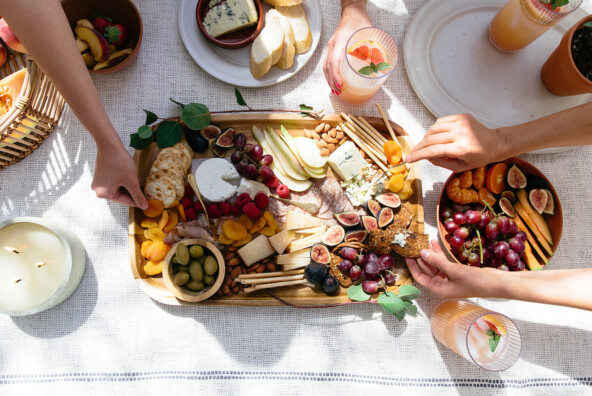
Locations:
column 319, row 253
column 356, row 236
column 390, row 200
column 330, row 285
column 370, row 223
column 372, row 207
column 315, row 272
column 516, row 178
column 549, row 209
column 218, row 152
column 196, row 141
column 538, row 199
column 506, row 207
column 348, row 219
column 385, row 217
column 536, row 182
column 509, row 195
column 333, row 236
column 210, row 132
column 225, row 140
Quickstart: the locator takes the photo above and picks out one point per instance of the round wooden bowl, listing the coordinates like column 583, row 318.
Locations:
column 185, row 294
column 121, row 11
column 555, row 221
column 234, row 40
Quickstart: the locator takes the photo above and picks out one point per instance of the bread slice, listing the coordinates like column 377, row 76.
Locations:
column 297, row 18
column 289, row 50
column 279, row 3
column 267, row 48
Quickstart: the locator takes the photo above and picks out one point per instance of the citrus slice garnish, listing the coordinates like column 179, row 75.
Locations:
column 368, row 51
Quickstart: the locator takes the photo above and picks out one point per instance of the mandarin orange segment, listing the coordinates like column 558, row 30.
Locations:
column 495, row 180
column 154, row 234
column 396, row 182
column 479, row 177
column 457, row 194
column 270, row 220
column 152, row 268
column 244, row 220
column 257, row 225
column 157, row 251
column 145, row 245
column 224, row 240
column 172, row 223
column 148, row 223
column 243, row 242
column 234, row 230
column 466, row 179
column 164, row 219
column 486, row 196
column 155, row 208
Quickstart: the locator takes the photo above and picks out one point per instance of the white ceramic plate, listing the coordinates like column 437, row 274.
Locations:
column 232, row 66
column 453, row 67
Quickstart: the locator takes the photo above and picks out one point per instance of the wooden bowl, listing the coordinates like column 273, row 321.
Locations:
column 185, row 294
column 555, row 221
column 121, row 11
column 234, row 40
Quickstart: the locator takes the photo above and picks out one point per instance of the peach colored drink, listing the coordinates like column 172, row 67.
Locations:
column 488, row 339
column 520, row 22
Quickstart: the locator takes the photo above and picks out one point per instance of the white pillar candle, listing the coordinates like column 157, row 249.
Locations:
column 33, row 275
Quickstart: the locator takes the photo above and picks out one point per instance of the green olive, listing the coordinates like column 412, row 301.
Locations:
column 210, row 265
column 182, row 254
column 195, row 286
column 196, row 270
column 182, row 278
column 209, row 279
column 196, row 251
column 174, row 259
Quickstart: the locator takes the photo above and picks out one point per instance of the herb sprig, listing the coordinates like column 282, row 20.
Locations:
column 494, row 339
column 555, row 3
column 367, row 70
column 397, row 305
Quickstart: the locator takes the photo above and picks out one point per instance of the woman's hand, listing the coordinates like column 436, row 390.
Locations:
column 353, row 18
column 460, row 142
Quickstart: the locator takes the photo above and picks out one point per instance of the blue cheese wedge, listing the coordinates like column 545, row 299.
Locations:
column 346, row 161
column 230, row 16
column 367, row 183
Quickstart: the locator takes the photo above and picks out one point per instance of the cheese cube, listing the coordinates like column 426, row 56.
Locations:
column 346, row 161
column 230, row 16
column 258, row 249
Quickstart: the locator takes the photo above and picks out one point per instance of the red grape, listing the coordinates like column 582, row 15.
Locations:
column 248, row 148
column 361, row 260
column 345, row 265
column 241, row 167
column 462, row 232
column 478, row 207
column 459, row 218
column 513, row 228
column 251, row 172
column 501, row 249
column 385, row 262
column 371, row 269
column 390, row 277
column 240, row 140
column 491, row 231
column 475, row 240
column 266, row 160
column 457, row 208
column 474, row 260
column 266, row 173
column 236, row 157
column 503, row 267
column 462, row 256
column 473, row 217
column 517, row 245
column 450, row 225
column 446, row 213
column 503, row 225
column 257, row 152
column 485, row 219
column 486, row 254
column 348, row 253
column 456, row 241
column 355, row 272
column 521, row 235
column 372, row 257
column 520, row 266
column 512, row 258
column 495, row 261
column 370, row 286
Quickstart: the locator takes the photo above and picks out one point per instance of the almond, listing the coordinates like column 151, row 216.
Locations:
column 260, row 269
column 227, row 279
column 326, row 128
column 339, row 135
column 234, row 262
column 235, row 272
column 307, row 133
column 325, row 152
column 320, row 128
column 333, row 133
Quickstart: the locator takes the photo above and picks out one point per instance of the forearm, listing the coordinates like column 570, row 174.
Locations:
column 356, row 9
column 571, row 127
column 44, row 30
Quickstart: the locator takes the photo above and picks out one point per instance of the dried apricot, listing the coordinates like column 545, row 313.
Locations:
column 407, row 191
column 145, row 245
column 164, row 219
column 152, row 268
column 244, row 220
column 157, row 251
column 400, row 168
column 486, row 196
column 148, row 223
column 270, row 220
column 495, row 180
column 396, row 182
column 466, row 179
column 393, row 152
column 175, row 203
column 267, row 231
column 479, row 178
column 155, row 208
column 181, row 210
column 244, row 241
column 154, row 234
column 234, row 230
column 257, row 225
column 172, row 223
column 224, row 240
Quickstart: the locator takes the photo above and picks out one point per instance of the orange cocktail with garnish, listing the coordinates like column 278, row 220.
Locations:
column 488, row 339
column 368, row 59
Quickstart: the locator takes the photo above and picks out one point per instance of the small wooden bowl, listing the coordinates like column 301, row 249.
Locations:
column 185, row 294
column 121, row 11
column 555, row 221
column 233, row 40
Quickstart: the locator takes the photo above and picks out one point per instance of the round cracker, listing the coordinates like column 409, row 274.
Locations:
column 162, row 190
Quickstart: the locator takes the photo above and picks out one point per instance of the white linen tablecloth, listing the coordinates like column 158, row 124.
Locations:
column 110, row 337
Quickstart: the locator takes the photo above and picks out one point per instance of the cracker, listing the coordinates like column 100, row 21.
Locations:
column 380, row 241
column 414, row 243
column 172, row 178
column 401, row 220
column 162, row 190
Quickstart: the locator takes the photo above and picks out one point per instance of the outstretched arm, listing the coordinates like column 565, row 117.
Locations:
column 43, row 29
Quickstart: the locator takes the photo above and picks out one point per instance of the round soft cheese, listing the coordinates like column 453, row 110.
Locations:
column 217, row 180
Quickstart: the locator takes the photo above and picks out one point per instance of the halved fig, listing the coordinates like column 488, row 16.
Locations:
column 516, row 178
column 225, row 140
column 390, row 200
column 536, row 182
column 538, row 199
column 356, row 236
column 320, row 253
column 218, row 152
column 211, row 132
column 550, row 208
column 509, row 195
column 506, row 207
column 348, row 219
column 370, row 223
column 333, row 236
column 385, row 217
column 372, row 207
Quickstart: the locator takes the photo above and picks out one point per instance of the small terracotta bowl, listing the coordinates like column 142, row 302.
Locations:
column 233, row 40
column 185, row 294
column 554, row 221
column 121, row 11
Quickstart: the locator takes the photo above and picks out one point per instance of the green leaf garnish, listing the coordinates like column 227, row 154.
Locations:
column 138, row 143
column 356, row 293
column 494, row 340
column 150, row 117
column 382, row 66
column 366, row 71
column 393, row 304
column 145, row 132
column 306, row 108
column 168, row 133
column 177, row 103
column 410, row 308
column 409, row 292
column 196, row 116
column 239, row 97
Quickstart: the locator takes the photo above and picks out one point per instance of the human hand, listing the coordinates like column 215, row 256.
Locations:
column 451, row 280
column 353, row 18
column 116, row 178
column 460, row 142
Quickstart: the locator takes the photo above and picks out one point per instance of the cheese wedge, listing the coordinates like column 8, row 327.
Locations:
column 289, row 50
column 267, row 48
column 258, row 249
column 302, row 33
column 295, row 221
column 281, row 240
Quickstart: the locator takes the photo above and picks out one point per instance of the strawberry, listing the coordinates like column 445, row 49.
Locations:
column 261, row 200
column 116, row 34
column 283, row 191
column 101, row 23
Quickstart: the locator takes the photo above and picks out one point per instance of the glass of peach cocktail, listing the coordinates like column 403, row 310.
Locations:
column 520, row 22
column 368, row 59
column 486, row 338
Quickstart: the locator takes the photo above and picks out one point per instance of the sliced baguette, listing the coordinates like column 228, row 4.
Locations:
column 267, row 48
column 289, row 50
column 302, row 33
column 279, row 3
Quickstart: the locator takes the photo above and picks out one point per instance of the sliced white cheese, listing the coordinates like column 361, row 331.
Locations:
column 217, row 180
column 300, row 264
column 258, row 249
column 305, row 242
column 346, row 161
column 312, row 230
column 286, row 258
column 281, row 240
column 230, row 16
column 295, row 221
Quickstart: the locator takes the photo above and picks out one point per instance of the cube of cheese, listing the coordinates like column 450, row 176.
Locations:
column 230, row 16
column 258, row 249
column 346, row 161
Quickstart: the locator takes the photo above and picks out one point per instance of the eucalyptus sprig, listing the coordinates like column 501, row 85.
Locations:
column 367, row 70
column 397, row 305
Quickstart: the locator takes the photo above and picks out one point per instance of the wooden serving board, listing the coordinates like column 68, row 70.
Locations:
column 242, row 123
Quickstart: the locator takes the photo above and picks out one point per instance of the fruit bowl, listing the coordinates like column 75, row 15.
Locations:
column 182, row 293
column 122, row 11
column 539, row 232
column 233, row 40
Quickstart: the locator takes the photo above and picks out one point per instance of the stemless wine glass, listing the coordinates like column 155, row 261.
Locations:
column 366, row 46
column 488, row 339
column 520, row 22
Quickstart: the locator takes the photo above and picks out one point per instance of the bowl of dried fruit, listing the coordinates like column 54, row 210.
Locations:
column 505, row 215
column 108, row 32
column 193, row 270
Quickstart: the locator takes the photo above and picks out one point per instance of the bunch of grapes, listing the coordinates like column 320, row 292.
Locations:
column 250, row 161
column 481, row 238
column 374, row 271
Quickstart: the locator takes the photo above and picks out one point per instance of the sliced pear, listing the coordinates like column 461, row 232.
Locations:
column 284, row 156
column 310, row 153
column 293, row 184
